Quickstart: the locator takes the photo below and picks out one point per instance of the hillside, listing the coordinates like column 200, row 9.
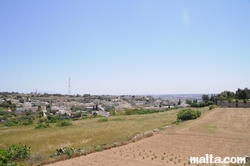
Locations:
column 221, row 132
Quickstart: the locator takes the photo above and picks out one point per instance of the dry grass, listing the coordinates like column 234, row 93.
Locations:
column 221, row 132
column 85, row 133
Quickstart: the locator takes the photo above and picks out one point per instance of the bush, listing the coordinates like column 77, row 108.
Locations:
column 15, row 152
column 42, row 126
column 128, row 111
column 53, row 119
column 103, row 120
column 211, row 107
column 210, row 103
column 30, row 122
column 69, row 151
column 201, row 104
column 12, row 122
column 64, row 123
column 3, row 156
column 112, row 112
column 141, row 111
column 177, row 122
column 18, row 152
column 188, row 114
column 2, row 112
column 41, row 120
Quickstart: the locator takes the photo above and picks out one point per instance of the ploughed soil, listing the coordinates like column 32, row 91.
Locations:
column 221, row 132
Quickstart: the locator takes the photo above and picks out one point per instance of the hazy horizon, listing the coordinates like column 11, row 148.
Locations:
column 124, row 47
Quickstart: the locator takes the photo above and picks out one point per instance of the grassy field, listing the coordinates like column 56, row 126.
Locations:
column 222, row 132
column 84, row 133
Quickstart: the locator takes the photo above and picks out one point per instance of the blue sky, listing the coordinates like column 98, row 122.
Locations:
column 125, row 47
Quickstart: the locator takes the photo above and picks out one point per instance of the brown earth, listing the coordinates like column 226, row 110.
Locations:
column 221, row 132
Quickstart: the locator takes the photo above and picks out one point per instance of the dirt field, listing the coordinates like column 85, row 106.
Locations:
column 221, row 132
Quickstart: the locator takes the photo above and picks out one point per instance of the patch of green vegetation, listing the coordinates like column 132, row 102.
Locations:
column 117, row 119
column 53, row 119
column 64, row 123
column 211, row 107
column 103, row 120
column 85, row 133
column 12, row 122
column 13, row 153
column 177, row 122
column 188, row 114
column 42, row 126
column 2, row 109
column 129, row 111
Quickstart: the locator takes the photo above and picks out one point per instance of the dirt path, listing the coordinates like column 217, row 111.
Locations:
column 221, row 132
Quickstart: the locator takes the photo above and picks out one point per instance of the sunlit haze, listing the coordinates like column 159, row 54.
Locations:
column 124, row 47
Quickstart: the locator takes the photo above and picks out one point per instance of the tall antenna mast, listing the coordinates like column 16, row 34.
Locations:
column 69, row 87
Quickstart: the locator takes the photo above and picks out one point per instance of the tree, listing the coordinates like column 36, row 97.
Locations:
column 21, row 100
column 27, row 99
column 5, row 104
column 73, row 108
column 13, row 107
column 226, row 95
column 179, row 102
column 212, row 98
column 188, row 101
column 205, row 97
column 243, row 94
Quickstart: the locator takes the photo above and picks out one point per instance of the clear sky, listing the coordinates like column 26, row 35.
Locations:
column 124, row 47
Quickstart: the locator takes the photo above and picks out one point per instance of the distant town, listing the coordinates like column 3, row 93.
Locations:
column 76, row 105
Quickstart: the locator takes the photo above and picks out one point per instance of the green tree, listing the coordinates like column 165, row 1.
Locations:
column 21, row 100
column 212, row 98
column 179, row 102
column 205, row 97
column 243, row 93
column 226, row 95
column 188, row 101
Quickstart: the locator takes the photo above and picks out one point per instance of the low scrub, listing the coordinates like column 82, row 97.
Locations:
column 42, row 126
column 140, row 111
column 202, row 104
column 103, row 120
column 211, row 107
column 65, row 151
column 12, row 122
column 23, row 120
column 64, row 123
column 15, row 152
column 177, row 122
column 18, row 152
column 53, row 119
column 188, row 114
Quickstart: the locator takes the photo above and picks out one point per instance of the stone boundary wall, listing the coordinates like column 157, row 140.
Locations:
column 233, row 104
